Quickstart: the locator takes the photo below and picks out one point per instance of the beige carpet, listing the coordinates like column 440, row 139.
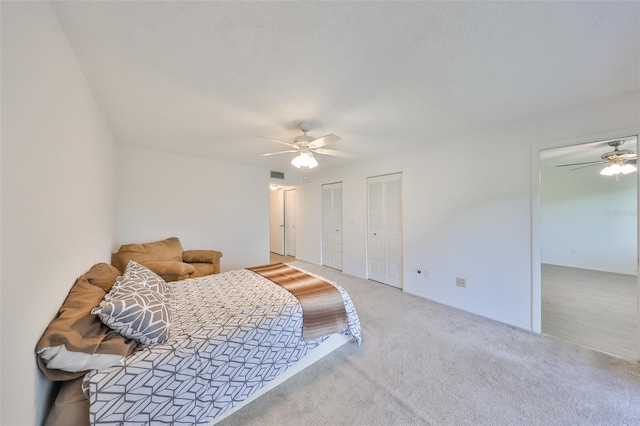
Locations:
column 424, row 363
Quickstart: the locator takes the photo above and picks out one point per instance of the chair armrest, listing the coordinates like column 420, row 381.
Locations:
column 169, row 270
column 201, row 256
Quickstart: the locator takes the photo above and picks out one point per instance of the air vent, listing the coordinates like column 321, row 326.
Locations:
column 277, row 175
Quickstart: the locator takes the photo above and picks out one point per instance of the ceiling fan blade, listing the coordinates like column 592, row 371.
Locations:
column 274, row 140
column 279, row 152
column 628, row 156
column 323, row 141
column 603, row 162
column 332, row 152
column 579, row 164
column 588, row 165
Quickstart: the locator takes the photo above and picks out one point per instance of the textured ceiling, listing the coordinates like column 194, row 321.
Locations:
column 202, row 78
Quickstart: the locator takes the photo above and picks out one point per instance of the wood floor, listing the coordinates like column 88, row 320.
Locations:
column 595, row 309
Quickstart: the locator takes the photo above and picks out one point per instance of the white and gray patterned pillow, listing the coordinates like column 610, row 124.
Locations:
column 137, row 307
column 145, row 275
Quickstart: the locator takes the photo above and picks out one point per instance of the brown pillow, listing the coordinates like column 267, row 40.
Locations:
column 76, row 341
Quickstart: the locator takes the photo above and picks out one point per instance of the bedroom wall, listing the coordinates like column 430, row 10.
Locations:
column 466, row 211
column 58, row 193
column 588, row 220
column 208, row 204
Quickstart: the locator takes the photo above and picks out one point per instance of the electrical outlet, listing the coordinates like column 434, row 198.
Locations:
column 461, row 282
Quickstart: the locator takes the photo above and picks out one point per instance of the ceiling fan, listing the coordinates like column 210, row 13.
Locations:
column 306, row 146
column 618, row 161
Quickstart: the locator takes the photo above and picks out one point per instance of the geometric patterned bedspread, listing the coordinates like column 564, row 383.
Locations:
column 230, row 335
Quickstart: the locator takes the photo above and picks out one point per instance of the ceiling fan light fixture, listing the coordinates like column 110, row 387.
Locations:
column 306, row 146
column 628, row 168
column 606, row 171
column 304, row 159
column 619, row 161
column 612, row 169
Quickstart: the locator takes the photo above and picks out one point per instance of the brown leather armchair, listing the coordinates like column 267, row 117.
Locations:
column 168, row 259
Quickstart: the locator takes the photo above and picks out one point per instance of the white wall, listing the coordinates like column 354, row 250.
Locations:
column 588, row 220
column 58, row 193
column 466, row 209
column 208, row 204
column 58, row 201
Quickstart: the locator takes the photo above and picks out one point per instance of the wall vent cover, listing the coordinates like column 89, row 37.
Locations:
column 277, row 175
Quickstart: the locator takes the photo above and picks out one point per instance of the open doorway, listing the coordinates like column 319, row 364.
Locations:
column 276, row 222
column 589, row 245
column 282, row 225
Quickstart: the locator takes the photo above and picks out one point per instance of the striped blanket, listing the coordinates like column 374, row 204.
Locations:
column 323, row 310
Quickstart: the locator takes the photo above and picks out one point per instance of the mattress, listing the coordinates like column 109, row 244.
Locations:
column 231, row 334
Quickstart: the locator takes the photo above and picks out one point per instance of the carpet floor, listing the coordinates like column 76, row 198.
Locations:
column 423, row 363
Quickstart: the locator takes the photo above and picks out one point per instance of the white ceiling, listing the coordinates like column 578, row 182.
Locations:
column 203, row 78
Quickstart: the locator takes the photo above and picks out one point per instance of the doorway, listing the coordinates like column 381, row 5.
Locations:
column 384, row 229
column 290, row 222
column 282, row 223
column 276, row 222
column 588, row 247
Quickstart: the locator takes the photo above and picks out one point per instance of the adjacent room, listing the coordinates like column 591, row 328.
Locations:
column 589, row 228
column 415, row 153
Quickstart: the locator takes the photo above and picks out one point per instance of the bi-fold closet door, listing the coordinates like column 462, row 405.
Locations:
column 384, row 228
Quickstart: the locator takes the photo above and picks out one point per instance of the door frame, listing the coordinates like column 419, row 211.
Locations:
column 536, row 229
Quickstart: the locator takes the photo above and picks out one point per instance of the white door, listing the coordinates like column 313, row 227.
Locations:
column 290, row 222
column 332, row 225
column 384, row 233
column 276, row 222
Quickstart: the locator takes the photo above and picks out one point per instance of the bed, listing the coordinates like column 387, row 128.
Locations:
column 232, row 336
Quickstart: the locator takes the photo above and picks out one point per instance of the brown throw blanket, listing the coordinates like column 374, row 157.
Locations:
column 323, row 309
column 79, row 332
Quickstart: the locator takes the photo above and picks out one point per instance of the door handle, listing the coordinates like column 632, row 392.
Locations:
column 281, row 226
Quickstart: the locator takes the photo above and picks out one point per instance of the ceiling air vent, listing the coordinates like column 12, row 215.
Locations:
column 277, row 175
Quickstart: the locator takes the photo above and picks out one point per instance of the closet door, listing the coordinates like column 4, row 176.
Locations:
column 332, row 225
column 290, row 222
column 384, row 233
